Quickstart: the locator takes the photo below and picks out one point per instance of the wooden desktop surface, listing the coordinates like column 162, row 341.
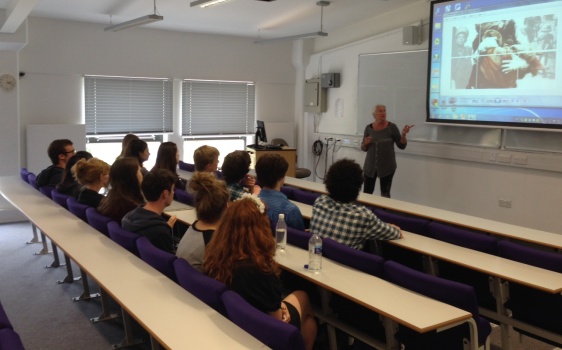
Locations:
column 174, row 317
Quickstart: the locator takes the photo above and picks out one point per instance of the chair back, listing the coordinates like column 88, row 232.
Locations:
column 288, row 191
column 124, row 238
column 186, row 166
column 31, row 178
column 297, row 237
column 4, row 320
column 10, row 340
column 357, row 259
column 463, row 238
column 453, row 293
column 46, row 190
column 157, row 258
column 530, row 256
column 77, row 209
column 270, row 331
column 60, row 198
column 184, row 196
column 98, row 221
column 305, row 196
column 203, row 287
column 24, row 173
column 406, row 223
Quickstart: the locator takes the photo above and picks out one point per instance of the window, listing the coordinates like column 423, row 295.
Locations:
column 121, row 105
column 217, row 107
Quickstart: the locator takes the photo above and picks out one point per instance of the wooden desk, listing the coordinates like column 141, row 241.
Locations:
column 290, row 155
column 172, row 316
column 542, row 238
column 499, row 269
column 394, row 303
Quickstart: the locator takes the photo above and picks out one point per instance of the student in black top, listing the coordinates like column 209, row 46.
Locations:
column 167, row 158
column 59, row 152
column 138, row 149
column 68, row 184
column 158, row 189
column 93, row 175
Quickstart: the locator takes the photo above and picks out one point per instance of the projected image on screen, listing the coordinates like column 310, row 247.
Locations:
column 494, row 62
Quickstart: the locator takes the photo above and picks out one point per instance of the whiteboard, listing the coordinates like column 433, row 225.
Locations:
column 399, row 81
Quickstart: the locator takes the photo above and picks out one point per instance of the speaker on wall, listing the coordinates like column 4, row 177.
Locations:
column 330, row 80
column 411, row 35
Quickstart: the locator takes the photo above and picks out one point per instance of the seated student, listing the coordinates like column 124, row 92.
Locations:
column 206, row 158
column 92, row 175
column 138, row 149
column 211, row 200
column 59, row 152
column 158, row 189
column 125, row 143
column 235, row 173
column 242, row 256
column 271, row 169
column 336, row 216
column 68, row 184
column 124, row 189
column 167, row 158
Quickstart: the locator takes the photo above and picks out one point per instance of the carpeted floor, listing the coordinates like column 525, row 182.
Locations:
column 46, row 318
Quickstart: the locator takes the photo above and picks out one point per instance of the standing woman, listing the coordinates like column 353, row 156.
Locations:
column 167, row 158
column 211, row 200
column 93, row 175
column 124, row 193
column 378, row 141
column 138, row 149
column 241, row 255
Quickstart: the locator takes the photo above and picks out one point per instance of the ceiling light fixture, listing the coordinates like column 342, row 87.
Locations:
column 207, row 3
column 318, row 34
column 136, row 22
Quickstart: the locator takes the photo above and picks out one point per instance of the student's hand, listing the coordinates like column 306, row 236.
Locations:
column 172, row 220
column 256, row 190
column 399, row 230
column 249, row 181
column 285, row 316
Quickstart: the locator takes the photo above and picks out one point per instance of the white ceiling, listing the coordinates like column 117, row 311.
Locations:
column 249, row 18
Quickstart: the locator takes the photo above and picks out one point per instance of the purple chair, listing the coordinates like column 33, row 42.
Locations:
column 31, row 178
column 124, row 238
column 77, row 209
column 157, row 258
column 471, row 240
column 528, row 304
column 203, row 287
column 297, row 238
column 186, row 166
column 98, row 221
column 184, row 196
column 273, row 333
column 4, row 320
column 10, row 340
column 305, row 196
column 46, row 190
column 60, row 198
column 24, row 173
column 449, row 292
column 406, row 223
column 357, row 259
column 288, row 191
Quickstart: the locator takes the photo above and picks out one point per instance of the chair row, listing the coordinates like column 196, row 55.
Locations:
column 191, row 168
column 9, row 339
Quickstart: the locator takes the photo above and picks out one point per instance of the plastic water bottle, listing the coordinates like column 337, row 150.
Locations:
column 281, row 232
column 315, row 253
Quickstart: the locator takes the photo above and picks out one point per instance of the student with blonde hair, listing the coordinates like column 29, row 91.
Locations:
column 242, row 255
column 211, row 200
column 206, row 158
column 93, row 175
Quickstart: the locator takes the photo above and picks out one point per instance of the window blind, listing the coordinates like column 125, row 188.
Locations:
column 116, row 105
column 217, row 107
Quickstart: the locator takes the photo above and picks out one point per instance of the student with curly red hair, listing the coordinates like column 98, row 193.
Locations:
column 241, row 255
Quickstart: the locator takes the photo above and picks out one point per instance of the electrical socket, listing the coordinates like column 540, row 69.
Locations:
column 504, row 203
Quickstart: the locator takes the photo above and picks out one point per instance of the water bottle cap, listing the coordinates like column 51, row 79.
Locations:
column 282, row 216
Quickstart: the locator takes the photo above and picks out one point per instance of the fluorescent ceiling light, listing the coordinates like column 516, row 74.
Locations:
column 207, row 3
column 318, row 34
column 135, row 22
column 292, row 37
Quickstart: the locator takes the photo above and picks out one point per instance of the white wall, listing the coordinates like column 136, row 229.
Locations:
column 59, row 53
column 455, row 185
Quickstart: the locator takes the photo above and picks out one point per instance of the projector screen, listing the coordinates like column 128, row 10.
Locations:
column 494, row 63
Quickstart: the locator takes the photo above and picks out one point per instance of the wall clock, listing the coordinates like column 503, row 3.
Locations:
column 7, row 82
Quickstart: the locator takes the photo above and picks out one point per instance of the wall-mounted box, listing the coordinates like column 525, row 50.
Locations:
column 330, row 80
column 315, row 97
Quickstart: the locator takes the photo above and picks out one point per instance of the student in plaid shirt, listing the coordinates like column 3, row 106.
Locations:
column 336, row 216
column 235, row 170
